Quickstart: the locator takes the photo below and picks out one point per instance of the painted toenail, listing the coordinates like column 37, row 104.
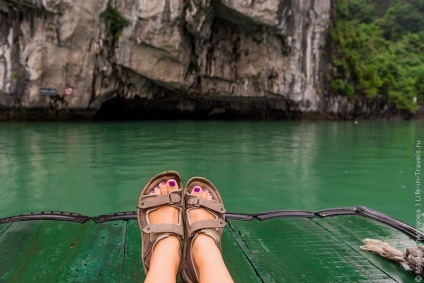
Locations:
column 163, row 183
column 152, row 192
column 171, row 183
column 197, row 189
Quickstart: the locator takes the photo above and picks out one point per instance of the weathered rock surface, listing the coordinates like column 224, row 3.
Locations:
column 181, row 56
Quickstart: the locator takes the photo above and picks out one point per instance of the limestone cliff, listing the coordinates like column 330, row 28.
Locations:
column 183, row 57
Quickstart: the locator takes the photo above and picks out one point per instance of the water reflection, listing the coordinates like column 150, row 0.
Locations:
column 99, row 168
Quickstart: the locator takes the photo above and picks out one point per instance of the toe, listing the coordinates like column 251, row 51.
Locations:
column 197, row 191
column 154, row 191
column 171, row 185
column 157, row 190
column 205, row 194
column 209, row 196
column 163, row 188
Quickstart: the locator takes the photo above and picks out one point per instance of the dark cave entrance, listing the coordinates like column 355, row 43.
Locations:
column 137, row 108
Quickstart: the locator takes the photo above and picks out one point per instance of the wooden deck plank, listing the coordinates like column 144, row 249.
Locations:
column 299, row 250
column 133, row 268
column 237, row 263
column 352, row 229
column 100, row 255
column 11, row 247
column 59, row 251
column 36, row 250
column 3, row 227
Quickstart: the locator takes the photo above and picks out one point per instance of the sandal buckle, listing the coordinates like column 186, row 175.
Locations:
column 196, row 202
column 170, row 199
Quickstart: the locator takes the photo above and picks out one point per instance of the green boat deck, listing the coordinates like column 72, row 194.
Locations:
column 286, row 249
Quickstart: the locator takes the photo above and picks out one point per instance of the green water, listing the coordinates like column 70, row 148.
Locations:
column 96, row 168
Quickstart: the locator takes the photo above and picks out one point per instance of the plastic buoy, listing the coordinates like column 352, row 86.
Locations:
column 69, row 91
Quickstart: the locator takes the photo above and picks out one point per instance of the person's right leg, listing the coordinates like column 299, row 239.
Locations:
column 207, row 257
column 165, row 261
column 166, row 254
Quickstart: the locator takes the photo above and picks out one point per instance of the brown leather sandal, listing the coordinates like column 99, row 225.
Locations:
column 151, row 234
column 211, row 227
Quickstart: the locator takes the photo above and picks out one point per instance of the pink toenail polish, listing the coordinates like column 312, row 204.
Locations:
column 163, row 183
column 204, row 190
column 152, row 192
column 171, row 183
column 157, row 187
column 196, row 189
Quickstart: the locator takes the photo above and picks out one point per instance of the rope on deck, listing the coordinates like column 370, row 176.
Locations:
column 412, row 259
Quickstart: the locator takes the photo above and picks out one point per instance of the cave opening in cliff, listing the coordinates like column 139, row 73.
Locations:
column 137, row 108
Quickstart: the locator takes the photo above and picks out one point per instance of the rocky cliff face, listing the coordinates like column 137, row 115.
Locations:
column 179, row 57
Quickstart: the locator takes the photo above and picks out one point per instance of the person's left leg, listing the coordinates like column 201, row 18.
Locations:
column 207, row 257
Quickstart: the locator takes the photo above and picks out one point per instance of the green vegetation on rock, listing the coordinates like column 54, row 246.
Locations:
column 114, row 21
column 377, row 50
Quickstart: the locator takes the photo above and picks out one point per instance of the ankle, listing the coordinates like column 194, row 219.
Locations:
column 202, row 241
column 167, row 254
column 171, row 244
column 208, row 261
column 203, row 246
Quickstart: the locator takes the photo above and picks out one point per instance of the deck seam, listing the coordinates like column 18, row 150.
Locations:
column 125, row 251
column 251, row 259
column 347, row 244
column 7, row 227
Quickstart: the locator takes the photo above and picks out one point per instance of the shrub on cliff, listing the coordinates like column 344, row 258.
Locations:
column 114, row 21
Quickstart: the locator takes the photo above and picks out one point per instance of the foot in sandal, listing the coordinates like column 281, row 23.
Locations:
column 160, row 219
column 165, row 213
column 204, row 219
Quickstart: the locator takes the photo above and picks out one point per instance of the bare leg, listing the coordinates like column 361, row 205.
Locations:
column 165, row 261
column 207, row 257
column 166, row 255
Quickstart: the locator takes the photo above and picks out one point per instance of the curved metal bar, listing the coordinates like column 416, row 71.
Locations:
column 126, row 215
column 376, row 215
column 401, row 226
column 283, row 213
column 133, row 215
column 238, row 216
column 350, row 210
column 347, row 210
column 47, row 215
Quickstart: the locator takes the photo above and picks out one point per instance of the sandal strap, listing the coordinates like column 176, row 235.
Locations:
column 164, row 228
column 150, row 201
column 212, row 205
column 205, row 224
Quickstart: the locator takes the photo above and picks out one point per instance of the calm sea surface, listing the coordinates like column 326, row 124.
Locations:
column 97, row 168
